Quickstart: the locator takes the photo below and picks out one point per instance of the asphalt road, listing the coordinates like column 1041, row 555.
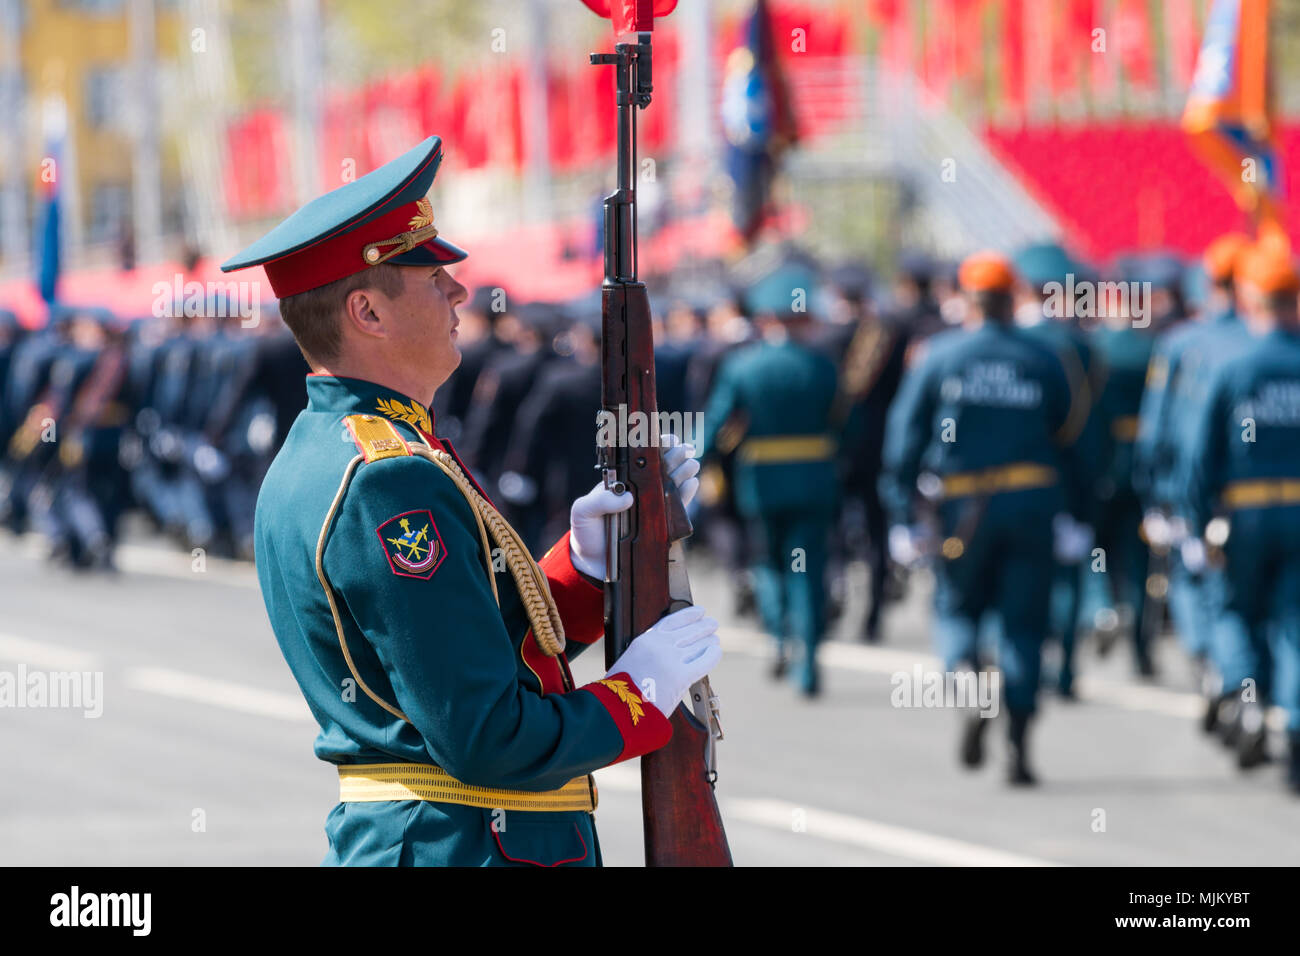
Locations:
column 202, row 754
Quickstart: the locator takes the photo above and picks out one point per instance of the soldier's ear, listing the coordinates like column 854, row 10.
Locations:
column 359, row 309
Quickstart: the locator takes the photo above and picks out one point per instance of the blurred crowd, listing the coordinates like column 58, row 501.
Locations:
column 176, row 418
column 783, row 370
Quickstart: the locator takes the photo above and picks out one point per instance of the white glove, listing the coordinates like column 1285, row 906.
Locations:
column 904, row 547
column 683, row 466
column 1193, row 553
column 666, row 660
column 587, row 516
column 587, row 527
column 1070, row 539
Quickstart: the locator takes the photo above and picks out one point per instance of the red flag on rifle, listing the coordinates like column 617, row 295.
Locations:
column 631, row 16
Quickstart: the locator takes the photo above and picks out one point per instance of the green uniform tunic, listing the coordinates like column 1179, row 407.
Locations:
column 785, row 480
column 404, row 559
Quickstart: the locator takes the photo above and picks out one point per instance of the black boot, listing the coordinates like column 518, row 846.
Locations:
column 1293, row 766
column 1210, row 691
column 1252, row 740
column 780, row 661
column 1210, row 718
column 972, row 740
column 1019, row 774
column 1229, row 726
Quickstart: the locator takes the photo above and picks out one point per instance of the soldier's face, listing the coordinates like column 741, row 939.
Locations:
column 425, row 321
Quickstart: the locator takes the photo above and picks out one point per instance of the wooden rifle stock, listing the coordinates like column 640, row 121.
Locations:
column 646, row 575
column 683, row 826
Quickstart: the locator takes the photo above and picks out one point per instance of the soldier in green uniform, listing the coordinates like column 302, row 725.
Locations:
column 1243, row 474
column 429, row 644
column 984, row 425
column 782, row 388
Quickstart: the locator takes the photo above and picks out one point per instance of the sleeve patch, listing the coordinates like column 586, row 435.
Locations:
column 627, row 696
column 412, row 544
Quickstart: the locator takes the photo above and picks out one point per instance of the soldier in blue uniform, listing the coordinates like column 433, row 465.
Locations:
column 1056, row 323
column 1124, row 340
column 429, row 644
column 1181, row 365
column 985, row 425
column 1243, row 474
column 781, row 390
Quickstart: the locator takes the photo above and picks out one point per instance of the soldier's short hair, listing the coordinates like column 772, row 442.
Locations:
column 315, row 316
column 997, row 305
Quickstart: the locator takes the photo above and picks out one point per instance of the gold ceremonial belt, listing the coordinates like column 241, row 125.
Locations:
column 775, row 449
column 1262, row 493
column 1016, row 477
column 374, row 782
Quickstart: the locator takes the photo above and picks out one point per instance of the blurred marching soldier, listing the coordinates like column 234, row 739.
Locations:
column 784, row 471
column 429, row 644
column 551, row 458
column 92, row 490
column 26, row 398
column 168, row 479
column 148, row 344
column 502, row 386
column 1125, row 349
column 48, row 456
column 1243, row 492
column 1054, row 321
column 261, row 392
column 488, row 307
column 984, row 425
column 915, row 305
column 720, row 524
column 1183, row 360
column 10, row 336
column 871, row 353
column 676, row 340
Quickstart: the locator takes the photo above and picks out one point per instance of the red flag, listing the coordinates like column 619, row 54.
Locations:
column 1180, row 22
column 1133, row 38
column 895, row 20
column 631, row 16
column 1013, row 55
column 1071, row 43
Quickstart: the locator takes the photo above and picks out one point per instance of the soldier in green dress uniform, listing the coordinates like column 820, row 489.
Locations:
column 430, row 646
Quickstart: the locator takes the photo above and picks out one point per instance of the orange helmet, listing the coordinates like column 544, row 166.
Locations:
column 1220, row 259
column 1268, row 267
column 986, row 272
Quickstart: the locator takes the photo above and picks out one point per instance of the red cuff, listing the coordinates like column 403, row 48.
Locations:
column 580, row 602
column 639, row 722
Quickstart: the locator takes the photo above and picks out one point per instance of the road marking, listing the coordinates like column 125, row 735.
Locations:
column 843, row 828
column 881, row 837
column 46, row 656
column 219, row 693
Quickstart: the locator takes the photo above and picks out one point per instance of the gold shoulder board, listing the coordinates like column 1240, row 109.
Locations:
column 376, row 437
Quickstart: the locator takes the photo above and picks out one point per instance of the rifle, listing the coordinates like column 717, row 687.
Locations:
column 645, row 577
